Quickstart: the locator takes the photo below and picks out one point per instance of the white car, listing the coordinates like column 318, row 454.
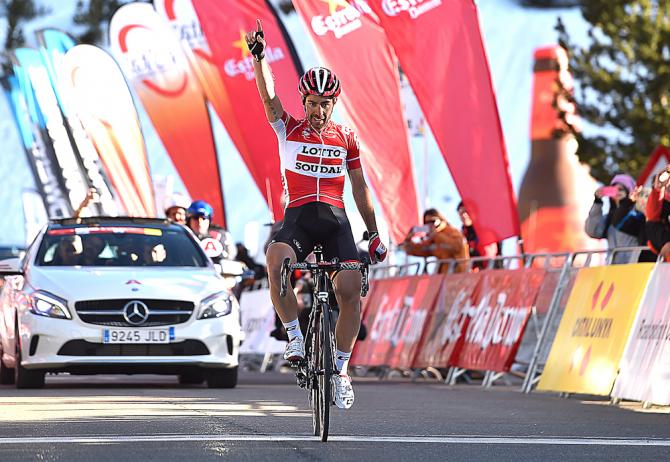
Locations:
column 117, row 295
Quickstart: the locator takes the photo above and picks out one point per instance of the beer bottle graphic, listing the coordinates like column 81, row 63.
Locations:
column 556, row 191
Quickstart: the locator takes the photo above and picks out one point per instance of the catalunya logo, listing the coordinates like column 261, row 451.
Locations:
column 592, row 327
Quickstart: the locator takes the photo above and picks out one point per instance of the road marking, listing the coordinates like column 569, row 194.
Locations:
column 522, row 440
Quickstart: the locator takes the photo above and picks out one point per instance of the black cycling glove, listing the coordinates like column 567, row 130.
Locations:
column 258, row 48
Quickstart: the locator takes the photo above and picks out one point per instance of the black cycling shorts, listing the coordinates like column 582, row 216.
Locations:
column 318, row 223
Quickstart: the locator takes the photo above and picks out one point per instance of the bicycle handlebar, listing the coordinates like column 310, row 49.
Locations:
column 287, row 267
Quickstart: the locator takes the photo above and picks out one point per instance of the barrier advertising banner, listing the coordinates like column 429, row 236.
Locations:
column 386, row 300
column 41, row 160
column 499, row 316
column 338, row 30
column 258, row 320
column 405, row 337
column 456, row 94
column 644, row 372
column 224, row 23
column 152, row 58
column 53, row 46
column 102, row 101
column 37, row 90
column 443, row 339
column 596, row 323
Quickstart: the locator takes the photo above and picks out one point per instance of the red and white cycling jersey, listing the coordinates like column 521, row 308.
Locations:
column 313, row 164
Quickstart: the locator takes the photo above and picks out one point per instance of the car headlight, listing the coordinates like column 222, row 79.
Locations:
column 45, row 304
column 216, row 305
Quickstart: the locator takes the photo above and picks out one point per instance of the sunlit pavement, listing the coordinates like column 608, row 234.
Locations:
column 111, row 418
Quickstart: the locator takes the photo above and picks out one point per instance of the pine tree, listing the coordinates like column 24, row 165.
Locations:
column 96, row 14
column 17, row 13
column 623, row 83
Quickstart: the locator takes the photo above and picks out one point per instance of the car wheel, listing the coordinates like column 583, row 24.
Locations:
column 222, row 378
column 26, row 378
column 6, row 374
column 192, row 378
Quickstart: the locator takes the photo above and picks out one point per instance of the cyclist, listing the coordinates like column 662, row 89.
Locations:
column 315, row 154
column 198, row 218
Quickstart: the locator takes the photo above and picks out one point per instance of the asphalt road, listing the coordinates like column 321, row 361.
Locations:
column 152, row 418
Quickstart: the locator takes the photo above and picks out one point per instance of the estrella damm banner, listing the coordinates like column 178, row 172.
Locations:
column 594, row 329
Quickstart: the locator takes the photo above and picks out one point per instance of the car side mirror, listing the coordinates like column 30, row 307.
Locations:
column 11, row 267
column 230, row 268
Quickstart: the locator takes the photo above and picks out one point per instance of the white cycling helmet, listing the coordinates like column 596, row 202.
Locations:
column 177, row 200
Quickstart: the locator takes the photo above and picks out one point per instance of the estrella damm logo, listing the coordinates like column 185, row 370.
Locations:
column 343, row 18
column 414, row 8
column 245, row 64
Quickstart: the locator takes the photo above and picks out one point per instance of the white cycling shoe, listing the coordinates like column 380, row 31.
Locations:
column 295, row 350
column 344, row 392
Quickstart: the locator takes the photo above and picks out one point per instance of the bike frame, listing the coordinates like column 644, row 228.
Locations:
column 315, row 372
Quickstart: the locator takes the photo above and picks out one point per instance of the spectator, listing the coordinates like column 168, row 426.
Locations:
column 244, row 257
column 91, row 196
column 623, row 225
column 175, row 209
column 68, row 251
column 475, row 248
column 437, row 238
column 658, row 216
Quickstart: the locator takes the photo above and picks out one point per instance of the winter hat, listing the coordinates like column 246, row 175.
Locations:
column 624, row 180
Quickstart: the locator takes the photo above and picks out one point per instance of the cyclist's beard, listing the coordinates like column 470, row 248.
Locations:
column 317, row 122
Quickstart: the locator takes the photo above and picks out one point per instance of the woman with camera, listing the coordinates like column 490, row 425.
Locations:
column 624, row 224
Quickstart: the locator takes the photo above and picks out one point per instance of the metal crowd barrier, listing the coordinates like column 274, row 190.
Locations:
column 565, row 264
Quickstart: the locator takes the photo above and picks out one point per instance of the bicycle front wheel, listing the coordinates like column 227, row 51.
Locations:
column 326, row 371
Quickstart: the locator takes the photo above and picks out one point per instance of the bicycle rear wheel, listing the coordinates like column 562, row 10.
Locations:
column 326, row 371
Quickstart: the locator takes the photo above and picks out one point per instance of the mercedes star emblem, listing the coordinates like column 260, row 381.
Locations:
column 136, row 312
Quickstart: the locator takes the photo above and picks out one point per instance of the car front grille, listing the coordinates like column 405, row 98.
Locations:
column 85, row 348
column 110, row 312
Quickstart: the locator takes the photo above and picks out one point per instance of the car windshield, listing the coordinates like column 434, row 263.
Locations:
column 119, row 246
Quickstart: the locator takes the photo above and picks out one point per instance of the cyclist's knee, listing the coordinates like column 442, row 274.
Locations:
column 276, row 255
column 348, row 296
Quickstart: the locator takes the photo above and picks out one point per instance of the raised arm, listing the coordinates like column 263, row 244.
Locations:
column 363, row 199
column 263, row 73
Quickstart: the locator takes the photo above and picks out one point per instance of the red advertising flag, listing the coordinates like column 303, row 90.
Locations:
column 504, row 303
column 156, row 67
column 440, row 48
column 443, row 336
column 344, row 35
column 184, row 21
column 379, row 317
column 102, row 101
column 224, row 23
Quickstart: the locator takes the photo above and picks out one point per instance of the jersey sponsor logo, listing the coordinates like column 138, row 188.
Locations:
column 343, row 18
column 414, row 8
column 316, row 168
column 322, row 151
column 245, row 65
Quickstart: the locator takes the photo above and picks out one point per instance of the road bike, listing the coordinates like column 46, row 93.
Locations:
column 314, row 373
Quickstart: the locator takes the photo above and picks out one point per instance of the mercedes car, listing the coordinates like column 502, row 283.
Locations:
column 117, row 295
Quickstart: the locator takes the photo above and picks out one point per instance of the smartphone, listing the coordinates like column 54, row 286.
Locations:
column 609, row 191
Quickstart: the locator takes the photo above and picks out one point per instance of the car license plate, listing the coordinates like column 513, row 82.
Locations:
column 138, row 335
